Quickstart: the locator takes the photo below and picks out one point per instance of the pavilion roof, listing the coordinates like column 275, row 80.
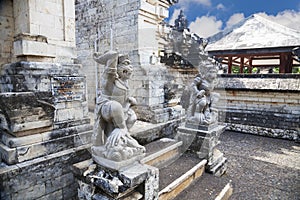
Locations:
column 254, row 32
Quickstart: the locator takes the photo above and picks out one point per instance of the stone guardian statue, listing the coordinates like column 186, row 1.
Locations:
column 114, row 117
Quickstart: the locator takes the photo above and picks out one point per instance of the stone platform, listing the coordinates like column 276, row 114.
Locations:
column 98, row 182
column 203, row 141
column 43, row 110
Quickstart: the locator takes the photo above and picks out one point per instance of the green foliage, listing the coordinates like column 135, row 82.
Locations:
column 296, row 70
column 276, row 70
column 235, row 69
column 254, row 70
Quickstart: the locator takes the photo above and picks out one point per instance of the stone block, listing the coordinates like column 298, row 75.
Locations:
column 12, row 142
column 134, row 175
column 52, row 142
column 128, row 179
column 30, row 193
column 27, row 180
column 69, row 29
column 8, row 155
column 59, row 182
column 25, row 47
column 83, row 138
column 57, row 195
column 69, row 191
column 64, row 115
column 69, row 8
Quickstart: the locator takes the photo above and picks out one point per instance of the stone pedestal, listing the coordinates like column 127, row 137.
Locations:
column 137, row 181
column 43, row 110
column 203, row 141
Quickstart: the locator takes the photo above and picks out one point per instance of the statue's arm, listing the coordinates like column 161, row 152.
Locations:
column 110, row 60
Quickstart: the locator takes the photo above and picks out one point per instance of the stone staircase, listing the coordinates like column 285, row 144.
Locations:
column 178, row 171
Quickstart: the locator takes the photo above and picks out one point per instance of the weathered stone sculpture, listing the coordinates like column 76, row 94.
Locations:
column 114, row 117
column 181, row 22
column 201, row 108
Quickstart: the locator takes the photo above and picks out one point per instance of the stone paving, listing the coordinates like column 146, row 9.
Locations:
column 258, row 167
column 261, row 167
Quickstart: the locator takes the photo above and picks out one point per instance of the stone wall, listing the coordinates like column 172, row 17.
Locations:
column 262, row 104
column 95, row 20
column 44, row 31
column 131, row 27
column 44, row 122
column 6, row 31
column 48, row 177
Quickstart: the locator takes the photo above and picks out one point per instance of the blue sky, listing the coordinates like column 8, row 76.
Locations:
column 207, row 17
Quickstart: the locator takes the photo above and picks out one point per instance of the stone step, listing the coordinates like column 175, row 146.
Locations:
column 145, row 132
column 161, row 152
column 208, row 187
column 24, row 150
column 181, row 181
column 180, row 175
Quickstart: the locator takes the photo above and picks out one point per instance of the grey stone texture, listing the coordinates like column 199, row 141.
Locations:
column 205, row 143
column 96, row 18
column 6, row 31
column 110, row 184
column 124, row 25
column 44, row 108
column 261, row 167
column 47, row 177
column 261, row 104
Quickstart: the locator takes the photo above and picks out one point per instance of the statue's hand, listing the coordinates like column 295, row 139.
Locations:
column 132, row 101
column 201, row 93
column 115, row 137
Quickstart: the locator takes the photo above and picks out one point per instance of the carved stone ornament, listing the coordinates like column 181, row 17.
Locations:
column 201, row 99
column 113, row 146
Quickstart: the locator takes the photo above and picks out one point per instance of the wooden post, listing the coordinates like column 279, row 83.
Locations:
column 229, row 64
column 250, row 65
column 289, row 63
column 282, row 63
column 242, row 65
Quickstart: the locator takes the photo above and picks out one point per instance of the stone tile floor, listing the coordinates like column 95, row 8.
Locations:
column 259, row 168
column 262, row 167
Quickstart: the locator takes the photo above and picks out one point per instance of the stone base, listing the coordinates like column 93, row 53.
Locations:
column 19, row 149
column 194, row 125
column 96, row 182
column 114, row 165
column 204, row 143
column 47, row 177
column 145, row 132
column 159, row 114
column 217, row 163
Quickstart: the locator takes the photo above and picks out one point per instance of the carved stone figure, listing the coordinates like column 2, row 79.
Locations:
column 202, row 99
column 114, row 117
column 181, row 22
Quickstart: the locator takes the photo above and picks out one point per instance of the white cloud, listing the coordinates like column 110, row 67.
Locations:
column 220, row 7
column 206, row 26
column 185, row 4
column 287, row 18
column 174, row 16
column 201, row 2
column 234, row 19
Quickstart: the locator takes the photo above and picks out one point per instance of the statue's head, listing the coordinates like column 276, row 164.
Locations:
column 211, row 72
column 124, row 67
